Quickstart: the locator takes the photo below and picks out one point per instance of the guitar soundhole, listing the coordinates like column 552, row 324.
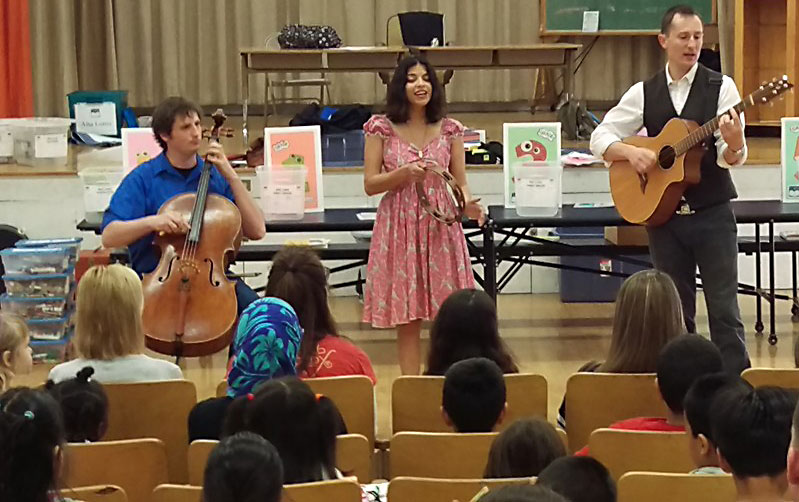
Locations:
column 666, row 157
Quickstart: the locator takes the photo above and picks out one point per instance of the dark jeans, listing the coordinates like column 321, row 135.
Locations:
column 707, row 239
column 244, row 296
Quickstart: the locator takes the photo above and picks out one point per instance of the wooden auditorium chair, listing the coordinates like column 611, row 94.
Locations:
column 98, row 493
column 626, row 451
column 339, row 490
column 439, row 454
column 787, row 378
column 410, row 489
column 177, row 493
column 670, row 487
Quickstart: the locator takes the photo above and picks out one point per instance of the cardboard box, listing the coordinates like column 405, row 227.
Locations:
column 633, row 235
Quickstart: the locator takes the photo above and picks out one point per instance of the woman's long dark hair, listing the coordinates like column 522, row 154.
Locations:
column 301, row 425
column 299, row 278
column 397, row 105
column 465, row 327
column 30, row 430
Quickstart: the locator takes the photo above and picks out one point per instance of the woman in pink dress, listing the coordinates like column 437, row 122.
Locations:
column 415, row 261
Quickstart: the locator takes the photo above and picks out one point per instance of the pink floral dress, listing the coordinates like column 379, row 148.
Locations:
column 415, row 261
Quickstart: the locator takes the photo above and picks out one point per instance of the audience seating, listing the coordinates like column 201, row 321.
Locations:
column 98, row 493
column 439, row 455
column 135, row 465
column 563, row 437
column 353, row 457
column 595, row 400
column 782, row 377
column 354, row 396
column 177, row 493
column 416, row 401
column 154, row 410
column 408, row 489
column 669, row 487
column 626, row 451
column 339, row 490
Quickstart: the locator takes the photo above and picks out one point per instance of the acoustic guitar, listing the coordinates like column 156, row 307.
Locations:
column 652, row 198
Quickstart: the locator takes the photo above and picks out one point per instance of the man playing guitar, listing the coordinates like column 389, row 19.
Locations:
column 703, row 231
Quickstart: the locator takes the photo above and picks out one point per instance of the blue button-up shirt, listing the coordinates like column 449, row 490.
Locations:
column 142, row 193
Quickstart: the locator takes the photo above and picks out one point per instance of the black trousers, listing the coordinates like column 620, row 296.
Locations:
column 706, row 239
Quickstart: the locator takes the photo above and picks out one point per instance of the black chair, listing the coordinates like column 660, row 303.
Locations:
column 416, row 29
column 9, row 236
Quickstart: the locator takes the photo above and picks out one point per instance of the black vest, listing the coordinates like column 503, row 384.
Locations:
column 716, row 184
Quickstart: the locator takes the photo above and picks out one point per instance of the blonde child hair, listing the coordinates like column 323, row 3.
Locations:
column 13, row 337
column 108, row 316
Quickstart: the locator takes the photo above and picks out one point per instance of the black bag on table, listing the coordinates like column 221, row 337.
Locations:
column 301, row 36
column 333, row 120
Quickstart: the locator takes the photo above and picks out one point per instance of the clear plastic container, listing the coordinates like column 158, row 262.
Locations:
column 34, row 308
column 72, row 244
column 50, row 351
column 99, row 186
column 41, row 141
column 35, row 260
column 282, row 192
column 538, row 188
column 48, row 329
column 7, row 141
column 39, row 286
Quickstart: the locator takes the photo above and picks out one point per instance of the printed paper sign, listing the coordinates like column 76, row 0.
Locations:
column 289, row 147
column 790, row 159
column 50, row 146
column 525, row 143
column 138, row 146
column 96, row 118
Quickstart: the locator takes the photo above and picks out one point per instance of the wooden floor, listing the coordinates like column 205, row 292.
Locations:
column 545, row 335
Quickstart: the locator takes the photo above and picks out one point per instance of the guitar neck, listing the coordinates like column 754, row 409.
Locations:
column 710, row 127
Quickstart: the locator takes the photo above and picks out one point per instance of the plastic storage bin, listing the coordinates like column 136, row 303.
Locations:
column 7, row 141
column 48, row 329
column 34, row 308
column 50, row 351
column 588, row 287
column 538, row 188
column 71, row 244
column 39, row 286
column 33, row 261
column 283, row 192
column 41, row 141
column 343, row 149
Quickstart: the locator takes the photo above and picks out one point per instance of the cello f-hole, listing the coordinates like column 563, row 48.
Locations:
column 211, row 273
column 163, row 278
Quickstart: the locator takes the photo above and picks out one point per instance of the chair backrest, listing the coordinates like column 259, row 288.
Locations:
column 416, row 401
column 339, row 490
column 417, row 28
column 154, row 410
column 97, row 493
column 668, row 487
column 354, row 396
column 393, row 32
column 596, row 400
column 787, row 378
column 177, row 493
column 439, row 454
column 410, row 489
column 625, row 451
column 353, row 457
column 135, row 465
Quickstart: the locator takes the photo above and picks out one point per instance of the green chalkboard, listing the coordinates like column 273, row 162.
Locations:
column 614, row 15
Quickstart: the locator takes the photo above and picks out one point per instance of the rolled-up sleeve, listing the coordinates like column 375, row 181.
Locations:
column 623, row 120
column 729, row 97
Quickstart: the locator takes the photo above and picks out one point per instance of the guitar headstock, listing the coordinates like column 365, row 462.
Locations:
column 771, row 90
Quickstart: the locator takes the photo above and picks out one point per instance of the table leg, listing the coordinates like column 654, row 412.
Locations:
column 245, row 95
column 794, row 299
column 772, row 337
column 489, row 260
column 568, row 77
column 758, row 290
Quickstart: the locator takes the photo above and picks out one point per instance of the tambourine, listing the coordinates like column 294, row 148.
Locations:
column 454, row 212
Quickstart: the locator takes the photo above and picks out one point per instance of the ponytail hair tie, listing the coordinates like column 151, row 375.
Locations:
column 319, row 396
column 250, row 396
column 29, row 415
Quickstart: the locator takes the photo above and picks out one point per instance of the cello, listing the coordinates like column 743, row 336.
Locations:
column 189, row 303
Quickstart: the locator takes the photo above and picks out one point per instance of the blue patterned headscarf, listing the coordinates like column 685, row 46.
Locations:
column 266, row 344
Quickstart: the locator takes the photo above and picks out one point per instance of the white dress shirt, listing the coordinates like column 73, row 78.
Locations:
column 627, row 118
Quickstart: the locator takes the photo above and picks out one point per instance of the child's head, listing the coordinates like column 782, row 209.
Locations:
column 648, row 315
column 267, row 339
column 524, row 449
column 108, row 313
column 244, row 467
column 298, row 277
column 466, row 326
column 523, row 493
column 300, row 424
column 84, row 406
column 696, row 406
column 473, row 399
column 579, row 479
column 752, row 431
column 681, row 362
column 31, row 442
column 16, row 356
